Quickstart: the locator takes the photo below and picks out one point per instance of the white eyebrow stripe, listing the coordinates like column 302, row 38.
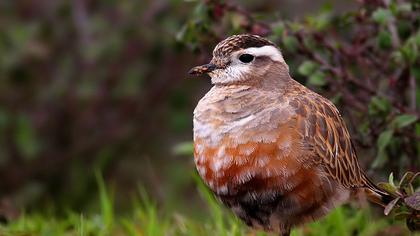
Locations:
column 269, row 51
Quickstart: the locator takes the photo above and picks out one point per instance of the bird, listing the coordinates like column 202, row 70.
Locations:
column 273, row 151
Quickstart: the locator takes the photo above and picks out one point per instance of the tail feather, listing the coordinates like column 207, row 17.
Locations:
column 375, row 194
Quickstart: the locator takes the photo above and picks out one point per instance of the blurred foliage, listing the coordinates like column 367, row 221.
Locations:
column 406, row 202
column 147, row 219
column 91, row 84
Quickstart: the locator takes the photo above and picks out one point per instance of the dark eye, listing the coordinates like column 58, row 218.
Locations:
column 246, row 58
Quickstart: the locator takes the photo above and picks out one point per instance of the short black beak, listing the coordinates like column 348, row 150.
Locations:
column 203, row 69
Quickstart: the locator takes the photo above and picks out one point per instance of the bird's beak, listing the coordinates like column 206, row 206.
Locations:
column 203, row 69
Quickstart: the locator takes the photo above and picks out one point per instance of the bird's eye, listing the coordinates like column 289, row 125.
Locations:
column 246, row 58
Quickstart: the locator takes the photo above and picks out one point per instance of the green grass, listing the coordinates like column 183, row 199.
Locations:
column 147, row 219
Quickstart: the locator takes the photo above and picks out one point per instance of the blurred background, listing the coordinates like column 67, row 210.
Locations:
column 91, row 85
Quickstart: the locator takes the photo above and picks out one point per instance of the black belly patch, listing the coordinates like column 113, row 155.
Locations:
column 255, row 208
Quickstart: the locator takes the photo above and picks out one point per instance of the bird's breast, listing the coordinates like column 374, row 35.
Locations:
column 231, row 153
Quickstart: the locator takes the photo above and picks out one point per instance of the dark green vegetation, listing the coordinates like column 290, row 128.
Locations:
column 101, row 84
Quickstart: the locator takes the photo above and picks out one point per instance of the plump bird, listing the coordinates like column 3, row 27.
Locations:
column 273, row 151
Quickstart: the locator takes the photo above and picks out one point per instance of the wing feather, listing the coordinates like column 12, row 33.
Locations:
column 329, row 139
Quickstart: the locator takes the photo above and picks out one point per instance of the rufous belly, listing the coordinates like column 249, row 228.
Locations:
column 267, row 184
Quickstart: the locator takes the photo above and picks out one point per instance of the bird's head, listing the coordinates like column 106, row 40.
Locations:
column 243, row 59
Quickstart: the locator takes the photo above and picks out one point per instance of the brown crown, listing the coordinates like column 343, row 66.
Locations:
column 241, row 41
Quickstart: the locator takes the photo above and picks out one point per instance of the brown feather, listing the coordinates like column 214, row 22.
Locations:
column 273, row 151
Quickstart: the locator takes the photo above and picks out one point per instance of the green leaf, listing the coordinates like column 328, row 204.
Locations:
column 391, row 179
column 404, row 7
column 278, row 29
column 380, row 160
column 402, row 215
column 317, row 78
column 390, row 206
column 410, row 49
column 416, row 38
column 397, row 57
column 407, row 179
column 382, row 143
column 384, row 139
column 290, row 43
column 402, row 121
column 384, row 40
column 389, row 188
column 319, row 22
column 307, row 68
column 379, row 104
column 184, row 148
column 382, row 16
column 106, row 201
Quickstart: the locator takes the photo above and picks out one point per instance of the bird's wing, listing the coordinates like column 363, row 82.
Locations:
column 324, row 131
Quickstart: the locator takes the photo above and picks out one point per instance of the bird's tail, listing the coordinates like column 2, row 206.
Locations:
column 375, row 194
